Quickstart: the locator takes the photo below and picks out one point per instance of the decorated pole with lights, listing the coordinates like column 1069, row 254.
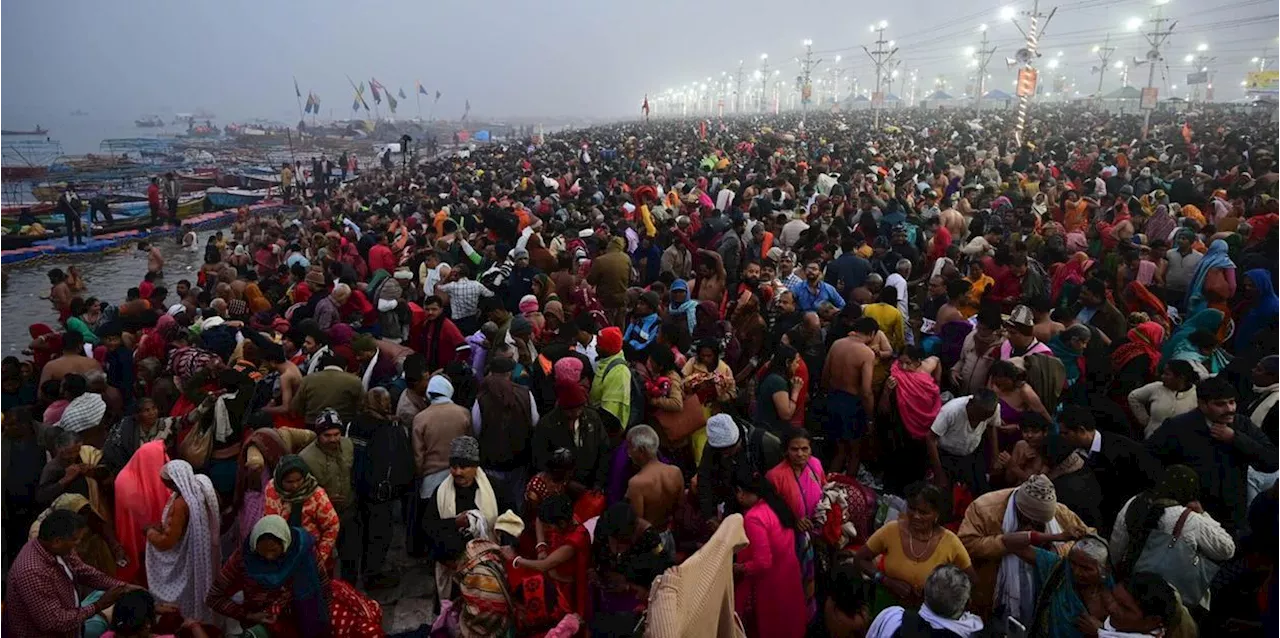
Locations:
column 1155, row 38
column 881, row 57
column 1026, row 60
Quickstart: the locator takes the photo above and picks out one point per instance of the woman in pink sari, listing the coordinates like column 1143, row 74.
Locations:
column 798, row 479
column 140, row 500
column 769, row 595
column 912, row 393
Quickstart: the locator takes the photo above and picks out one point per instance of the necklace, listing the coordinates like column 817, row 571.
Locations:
column 911, row 552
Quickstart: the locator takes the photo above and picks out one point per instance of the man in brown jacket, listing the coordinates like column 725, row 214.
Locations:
column 611, row 275
column 1003, row 525
column 433, row 430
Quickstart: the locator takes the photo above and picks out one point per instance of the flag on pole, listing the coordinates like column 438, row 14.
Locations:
column 437, row 94
column 315, row 104
column 466, row 111
column 422, row 89
column 373, row 87
column 295, row 87
column 361, row 89
column 645, row 106
column 391, row 101
column 355, row 104
column 402, row 95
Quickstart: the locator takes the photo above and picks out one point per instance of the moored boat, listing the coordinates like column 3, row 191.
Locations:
column 234, row 197
column 36, row 131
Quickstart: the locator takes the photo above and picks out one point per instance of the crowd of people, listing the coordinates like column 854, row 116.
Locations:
column 682, row 378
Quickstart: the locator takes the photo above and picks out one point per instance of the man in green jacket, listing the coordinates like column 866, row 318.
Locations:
column 611, row 391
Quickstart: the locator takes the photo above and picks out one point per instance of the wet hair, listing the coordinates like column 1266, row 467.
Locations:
column 866, row 326
column 928, row 494
column 1007, row 370
column 556, row 510
column 447, row 544
column 748, row 480
column 846, row 590
column 133, row 612
column 61, row 525
column 1035, row 421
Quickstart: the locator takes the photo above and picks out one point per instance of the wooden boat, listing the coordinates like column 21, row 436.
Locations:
column 234, row 197
column 36, row 131
column 23, row 172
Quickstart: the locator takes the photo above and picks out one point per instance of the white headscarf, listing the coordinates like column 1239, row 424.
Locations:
column 183, row 574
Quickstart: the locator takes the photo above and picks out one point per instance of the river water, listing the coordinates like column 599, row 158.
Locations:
column 108, row 276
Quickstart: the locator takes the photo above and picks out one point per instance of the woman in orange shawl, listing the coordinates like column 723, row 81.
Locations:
column 1075, row 214
column 255, row 299
column 140, row 500
column 1138, row 298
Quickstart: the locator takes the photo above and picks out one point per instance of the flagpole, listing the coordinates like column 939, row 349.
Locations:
column 418, row 96
column 298, row 96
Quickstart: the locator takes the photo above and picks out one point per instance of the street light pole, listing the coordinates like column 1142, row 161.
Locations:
column 1027, row 57
column 806, row 89
column 984, row 56
column 764, row 79
column 1155, row 38
column 737, row 98
column 1104, row 56
column 880, row 57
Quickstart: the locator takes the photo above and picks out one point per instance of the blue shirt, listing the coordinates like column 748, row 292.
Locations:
column 807, row 300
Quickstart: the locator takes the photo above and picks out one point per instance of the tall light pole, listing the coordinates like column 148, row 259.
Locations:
column 1201, row 63
column 880, row 57
column 806, row 89
column 737, row 97
column 764, row 79
column 1103, row 51
column 984, row 56
column 1155, row 37
column 1026, row 57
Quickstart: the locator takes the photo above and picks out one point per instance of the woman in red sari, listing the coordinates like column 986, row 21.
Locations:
column 566, row 558
column 1139, row 298
column 140, row 497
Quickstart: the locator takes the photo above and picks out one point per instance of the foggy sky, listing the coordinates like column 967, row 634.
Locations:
column 238, row 58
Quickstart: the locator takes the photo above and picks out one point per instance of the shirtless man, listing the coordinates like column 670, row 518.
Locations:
column 847, row 377
column 957, row 293
column 72, row 360
column 60, row 293
column 1045, row 327
column 155, row 261
column 290, row 381
column 711, row 278
column 656, row 489
column 954, row 221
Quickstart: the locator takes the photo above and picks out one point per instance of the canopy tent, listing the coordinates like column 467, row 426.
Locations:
column 939, row 95
column 1124, row 93
column 997, row 94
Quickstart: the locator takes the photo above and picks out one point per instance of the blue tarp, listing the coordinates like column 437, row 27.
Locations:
column 481, row 136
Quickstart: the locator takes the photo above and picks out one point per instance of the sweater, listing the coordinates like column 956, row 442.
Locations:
column 1154, row 402
column 696, row 598
column 434, row 429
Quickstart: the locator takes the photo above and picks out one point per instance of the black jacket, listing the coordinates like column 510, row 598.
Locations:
column 383, row 464
column 1123, row 469
column 591, row 461
column 1223, row 467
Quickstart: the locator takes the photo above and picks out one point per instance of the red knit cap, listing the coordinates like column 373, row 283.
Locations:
column 570, row 395
column 609, row 341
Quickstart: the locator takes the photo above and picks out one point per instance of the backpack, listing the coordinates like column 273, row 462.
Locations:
column 637, row 392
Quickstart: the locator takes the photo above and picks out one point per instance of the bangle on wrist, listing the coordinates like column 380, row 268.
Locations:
column 515, row 562
column 1034, row 538
column 541, row 546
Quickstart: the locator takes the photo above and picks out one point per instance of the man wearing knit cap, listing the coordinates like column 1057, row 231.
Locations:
column 331, row 458
column 579, row 428
column 1002, row 525
column 645, row 322
column 611, row 391
column 732, row 447
column 465, row 489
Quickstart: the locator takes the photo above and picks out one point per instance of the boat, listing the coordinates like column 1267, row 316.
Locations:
column 23, row 172
column 151, row 121
column 235, row 197
column 36, row 131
